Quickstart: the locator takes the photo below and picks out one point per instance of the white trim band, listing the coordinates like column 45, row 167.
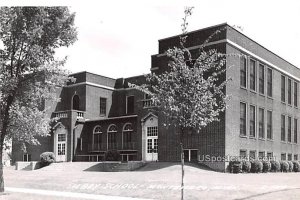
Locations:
column 261, row 59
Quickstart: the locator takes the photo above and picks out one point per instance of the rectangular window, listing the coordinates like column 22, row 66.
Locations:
column 282, row 128
column 295, row 130
column 295, row 156
column 243, row 72
column 26, row 157
column 261, row 128
column 282, row 88
column 295, row 94
column 252, row 121
column 243, row 119
column 130, row 105
column 269, row 83
column 269, row 125
column 261, row 155
column 261, row 82
column 289, row 91
column 289, row 157
column 102, row 106
column 152, row 131
column 269, row 155
column 252, row 75
column 289, row 129
column 243, row 153
column 283, row 156
column 252, row 155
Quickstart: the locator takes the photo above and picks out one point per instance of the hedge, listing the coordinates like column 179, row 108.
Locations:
column 266, row 166
column 256, row 166
column 235, row 166
column 47, row 158
column 284, row 166
column 296, row 166
column 275, row 166
column 246, row 166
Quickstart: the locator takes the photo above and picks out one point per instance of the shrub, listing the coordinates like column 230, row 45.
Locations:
column 256, row 166
column 275, row 166
column 284, row 166
column 296, row 166
column 112, row 155
column 246, row 166
column 47, row 158
column 235, row 166
column 266, row 166
column 291, row 166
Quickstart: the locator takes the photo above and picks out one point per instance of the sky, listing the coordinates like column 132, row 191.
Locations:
column 116, row 38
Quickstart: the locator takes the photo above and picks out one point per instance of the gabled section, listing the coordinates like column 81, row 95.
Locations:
column 148, row 116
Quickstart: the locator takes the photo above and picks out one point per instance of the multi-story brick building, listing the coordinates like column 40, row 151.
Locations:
column 98, row 114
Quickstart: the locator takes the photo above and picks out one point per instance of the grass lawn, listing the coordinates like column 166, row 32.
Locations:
column 157, row 181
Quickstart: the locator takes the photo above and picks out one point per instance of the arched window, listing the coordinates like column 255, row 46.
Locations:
column 127, row 136
column 97, row 138
column 75, row 102
column 112, row 136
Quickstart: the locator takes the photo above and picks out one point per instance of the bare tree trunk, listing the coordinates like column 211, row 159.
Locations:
column 182, row 162
column 182, row 171
column 1, row 169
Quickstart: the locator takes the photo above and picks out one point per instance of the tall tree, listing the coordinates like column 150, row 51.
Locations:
column 190, row 94
column 29, row 73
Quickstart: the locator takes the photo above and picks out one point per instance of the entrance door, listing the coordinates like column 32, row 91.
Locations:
column 151, row 142
column 61, row 147
column 190, row 155
column 150, row 138
column 60, row 143
column 152, row 148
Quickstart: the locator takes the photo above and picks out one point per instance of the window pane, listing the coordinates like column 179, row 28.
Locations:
column 102, row 106
column 243, row 72
column 252, row 121
column 261, row 79
column 282, row 128
column 242, row 119
column 295, row 94
column 261, row 123
column 243, row 153
column 283, row 156
column 295, row 130
column 252, row 154
column 152, row 131
column 269, row 83
column 289, row 129
column 252, row 75
column 130, row 105
column 282, row 88
column 289, row 91
column 61, row 137
column 269, row 124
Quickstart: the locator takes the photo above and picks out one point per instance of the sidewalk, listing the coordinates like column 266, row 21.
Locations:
column 60, row 194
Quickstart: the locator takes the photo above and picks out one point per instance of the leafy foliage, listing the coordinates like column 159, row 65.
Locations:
column 256, row 166
column 246, row 166
column 284, row 166
column 29, row 73
column 275, row 166
column 47, row 158
column 266, row 166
